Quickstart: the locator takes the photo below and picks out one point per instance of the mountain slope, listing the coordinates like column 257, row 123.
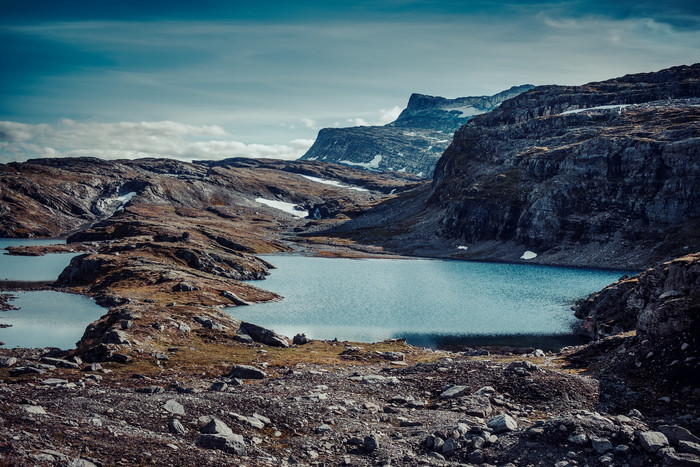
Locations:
column 413, row 143
column 605, row 173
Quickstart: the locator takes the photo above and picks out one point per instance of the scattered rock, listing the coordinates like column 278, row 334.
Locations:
column 652, row 441
column 246, row 372
column 174, row 407
column 502, row 423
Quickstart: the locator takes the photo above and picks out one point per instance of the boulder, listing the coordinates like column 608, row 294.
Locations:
column 502, row 423
column 263, row 335
column 246, row 372
column 232, row 444
column 652, row 441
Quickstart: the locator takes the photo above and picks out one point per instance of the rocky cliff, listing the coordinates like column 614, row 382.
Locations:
column 605, row 173
column 413, row 143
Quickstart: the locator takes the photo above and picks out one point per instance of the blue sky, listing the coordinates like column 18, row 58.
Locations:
column 223, row 79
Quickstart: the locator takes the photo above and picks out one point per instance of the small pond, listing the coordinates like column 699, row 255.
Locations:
column 430, row 303
column 44, row 318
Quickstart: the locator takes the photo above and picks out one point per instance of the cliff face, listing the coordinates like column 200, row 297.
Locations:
column 602, row 174
column 543, row 172
column 413, row 143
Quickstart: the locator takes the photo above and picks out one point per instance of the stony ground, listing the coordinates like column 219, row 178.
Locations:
column 327, row 403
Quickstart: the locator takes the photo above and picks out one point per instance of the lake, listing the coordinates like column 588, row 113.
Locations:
column 32, row 268
column 44, row 318
column 433, row 303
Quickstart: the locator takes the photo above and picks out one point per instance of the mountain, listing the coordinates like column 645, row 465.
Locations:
column 601, row 174
column 413, row 143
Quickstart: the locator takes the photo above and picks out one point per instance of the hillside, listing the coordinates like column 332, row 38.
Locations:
column 413, row 142
column 600, row 174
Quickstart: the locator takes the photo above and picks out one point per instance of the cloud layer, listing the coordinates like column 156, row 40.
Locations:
column 129, row 140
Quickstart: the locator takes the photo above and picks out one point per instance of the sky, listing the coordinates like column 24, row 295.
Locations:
column 126, row 79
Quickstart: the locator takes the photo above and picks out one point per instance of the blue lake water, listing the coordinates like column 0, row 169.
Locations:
column 44, row 318
column 48, row 319
column 31, row 268
column 428, row 302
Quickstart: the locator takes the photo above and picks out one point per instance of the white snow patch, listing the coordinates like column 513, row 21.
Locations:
column 333, row 183
column 529, row 255
column 410, row 133
column 467, row 111
column 600, row 107
column 462, row 247
column 289, row 208
column 419, row 174
column 373, row 164
column 312, row 158
column 123, row 199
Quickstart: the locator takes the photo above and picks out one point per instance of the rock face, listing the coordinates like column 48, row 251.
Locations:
column 604, row 173
column 660, row 302
column 413, row 142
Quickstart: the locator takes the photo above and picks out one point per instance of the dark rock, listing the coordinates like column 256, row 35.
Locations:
column 151, row 390
column 234, row 298
column 370, row 444
column 263, row 335
column 243, row 337
column 246, row 372
column 300, row 339
column 652, row 441
column 24, row 370
column 232, row 444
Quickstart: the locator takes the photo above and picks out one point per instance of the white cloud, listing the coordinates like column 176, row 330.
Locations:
column 309, row 123
column 389, row 115
column 129, row 140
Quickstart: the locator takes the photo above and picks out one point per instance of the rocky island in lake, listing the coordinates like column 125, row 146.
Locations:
column 602, row 175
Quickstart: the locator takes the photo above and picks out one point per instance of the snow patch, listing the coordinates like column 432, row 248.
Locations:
column 124, row 199
column 600, row 107
column 373, row 164
column 333, row 183
column 529, row 255
column 467, row 111
column 462, row 247
column 289, row 208
column 419, row 174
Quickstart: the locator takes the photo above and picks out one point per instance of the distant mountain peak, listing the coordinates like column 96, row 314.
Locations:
column 413, row 142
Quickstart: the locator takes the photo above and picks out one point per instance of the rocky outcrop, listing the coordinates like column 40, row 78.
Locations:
column 413, row 142
column 604, row 173
column 661, row 302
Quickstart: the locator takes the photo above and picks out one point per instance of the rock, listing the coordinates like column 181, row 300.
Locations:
column 476, row 457
column 115, row 337
column 452, row 391
column 301, row 339
column 54, row 382
column 216, row 427
column 93, row 367
column 175, row 427
column 208, row 323
column 680, row 459
column 34, row 409
column 234, row 298
column 370, row 444
column 449, row 447
column 478, row 406
column 323, row 429
column 246, row 372
column 24, row 370
column 578, row 438
column 6, row 361
column 183, row 327
column 392, row 356
column 151, row 390
column 174, row 407
column 485, row 391
column 264, row 336
column 185, row 286
column 218, row 386
column 601, row 445
column 689, row 447
column 675, row 433
column 502, row 423
column 232, row 444
column 59, row 362
column 243, row 337
column 652, row 441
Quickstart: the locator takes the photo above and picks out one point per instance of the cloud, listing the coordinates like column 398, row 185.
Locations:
column 129, row 140
column 309, row 123
column 389, row 115
column 357, row 121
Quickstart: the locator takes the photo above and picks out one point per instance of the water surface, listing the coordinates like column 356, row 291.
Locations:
column 47, row 319
column 32, row 268
column 428, row 302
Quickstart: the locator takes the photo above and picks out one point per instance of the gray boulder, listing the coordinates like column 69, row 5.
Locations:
column 232, row 444
column 652, row 441
column 263, row 335
column 502, row 423
column 246, row 372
